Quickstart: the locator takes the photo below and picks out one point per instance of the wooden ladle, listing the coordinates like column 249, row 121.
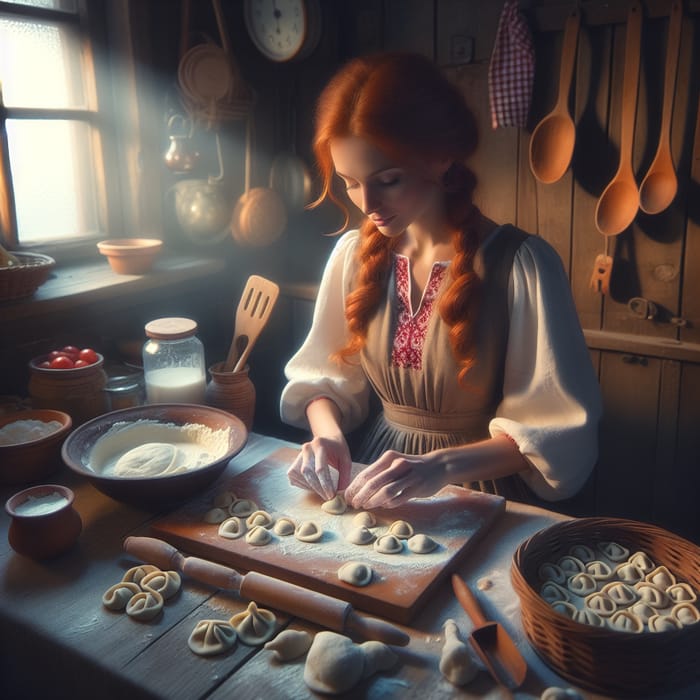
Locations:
column 552, row 141
column 660, row 184
column 619, row 203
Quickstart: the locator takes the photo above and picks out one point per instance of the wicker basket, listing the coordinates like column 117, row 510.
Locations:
column 19, row 281
column 622, row 664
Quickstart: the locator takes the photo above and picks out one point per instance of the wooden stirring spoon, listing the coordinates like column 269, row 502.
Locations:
column 619, row 203
column 552, row 141
column 660, row 184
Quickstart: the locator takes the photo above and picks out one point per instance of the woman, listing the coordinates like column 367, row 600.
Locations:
column 464, row 330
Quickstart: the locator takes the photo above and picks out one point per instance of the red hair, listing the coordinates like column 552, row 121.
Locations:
column 403, row 105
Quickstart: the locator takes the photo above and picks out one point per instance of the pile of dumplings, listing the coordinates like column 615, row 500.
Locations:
column 142, row 592
column 606, row 586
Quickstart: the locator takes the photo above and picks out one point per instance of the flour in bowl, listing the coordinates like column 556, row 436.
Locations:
column 26, row 430
column 147, row 448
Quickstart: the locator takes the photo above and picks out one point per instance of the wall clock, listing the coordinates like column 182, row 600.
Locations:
column 283, row 30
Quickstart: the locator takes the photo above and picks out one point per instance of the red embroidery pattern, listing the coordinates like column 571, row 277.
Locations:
column 409, row 335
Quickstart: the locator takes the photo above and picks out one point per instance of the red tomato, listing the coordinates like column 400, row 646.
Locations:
column 89, row 355
column 61, row 362
column 71, row 351
column 57, row 353
column 45, row 364
column 80, row 363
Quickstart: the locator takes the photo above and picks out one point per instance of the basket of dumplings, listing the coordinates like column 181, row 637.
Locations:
column 612, row 605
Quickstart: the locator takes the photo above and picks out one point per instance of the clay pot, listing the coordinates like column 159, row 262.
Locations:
column 233, row 392
column 44, row 523
column 259, row 217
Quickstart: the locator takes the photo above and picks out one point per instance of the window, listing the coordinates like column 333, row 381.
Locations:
column 52, row 136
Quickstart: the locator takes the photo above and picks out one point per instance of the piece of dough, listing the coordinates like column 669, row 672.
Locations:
column 623, row 594
column 364, row 519
column 643, row 611
column 663, row 623
column 625, row 621
column 421, row 544
column 355, row 573
column 613, row 551
column 308, row 531
column 167, row 583
column 551, row 572
column 259, row 517
column 571, row 565
column 242, row 507
column 284, row 526
column 587, row 617
column 556, row 693
column 258, row 536
column 145, row 605
column 211, row 637
column 136, row 573
column 335, row 664
column 563, row 608
column 149, row 459
column 681, row 593
column 582, row 584
column 582, row 552
column 642, row 561
column 117, row 596
column 685, row 613
column 599, row 570
column 629, row 573
column 456, row 663
column 254, row 626
column 652, row 595
column 388, row 544
column 552, row 592
column 401, row 529
column 224, row 499
column 336, row 506
column 600, row 603
column 661, row 577
column 232, row 528
column 214, row 516
column 360, row 535
column 290, row 644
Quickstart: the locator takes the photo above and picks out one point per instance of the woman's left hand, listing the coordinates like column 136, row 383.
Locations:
column 395, row 478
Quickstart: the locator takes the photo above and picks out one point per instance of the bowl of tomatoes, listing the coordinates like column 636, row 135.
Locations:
column 70, row 379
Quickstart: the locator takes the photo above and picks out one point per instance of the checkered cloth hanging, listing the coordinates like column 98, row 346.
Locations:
column 512, row 69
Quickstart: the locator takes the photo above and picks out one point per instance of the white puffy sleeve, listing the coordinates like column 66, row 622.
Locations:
column 310, row 372
column 551, row 403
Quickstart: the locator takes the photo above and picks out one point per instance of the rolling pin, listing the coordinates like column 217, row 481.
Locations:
column 321, row 609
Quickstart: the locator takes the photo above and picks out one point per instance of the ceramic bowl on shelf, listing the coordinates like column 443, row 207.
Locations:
column 131, row 256
column 30, row 444
column 155, row 455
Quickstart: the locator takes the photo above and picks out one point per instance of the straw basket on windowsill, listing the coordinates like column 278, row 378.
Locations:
column 19, row 281
column 607, row 661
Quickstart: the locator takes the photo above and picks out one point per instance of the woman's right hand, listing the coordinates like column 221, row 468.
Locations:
column 323, row 465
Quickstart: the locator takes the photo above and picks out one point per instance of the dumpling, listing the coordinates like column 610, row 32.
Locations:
column 336, row 506
column 232, row 528
column 136, row 573
column 582, row 584
column 308, row 531
column 258, row 536
column 254, row 626
column 571, row 565
column 401, row 529
column 364, row 519
column 586, row 616
column 686, row 613
column 259, row 517
column 661, row 577
column 355, row 573
column 641, row 561
column 623, row 594
column 600, row 603
column 290, row 644
column 663, row 623
column 224, row 499
column 421, row 544
column 599, row 570
column 117, row 596
column 564, row 608
column 167, row 583
column 643, row 611
column 284, row 526
column 652, row 595
column 551, row 572
column 243, row 507
column 211, row 637
column 681, row 593
column 629, row 573
column 625, row 621
column 216, row 515
column 360, row 535
column 144, row 605
column 613, row 551
column 582, row 552
column 556, row 693
column 551, row 592
column 388, row 544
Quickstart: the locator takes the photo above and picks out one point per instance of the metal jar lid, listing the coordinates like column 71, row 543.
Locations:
column 171, row 328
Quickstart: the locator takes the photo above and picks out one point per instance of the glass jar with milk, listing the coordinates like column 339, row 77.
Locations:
column 173, row 362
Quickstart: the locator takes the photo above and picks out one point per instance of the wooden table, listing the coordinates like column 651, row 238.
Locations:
column 57, row 640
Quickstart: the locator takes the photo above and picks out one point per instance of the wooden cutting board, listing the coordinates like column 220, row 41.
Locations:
column 456, row 518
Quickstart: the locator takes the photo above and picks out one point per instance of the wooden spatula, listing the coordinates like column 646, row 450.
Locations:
column 254, row 308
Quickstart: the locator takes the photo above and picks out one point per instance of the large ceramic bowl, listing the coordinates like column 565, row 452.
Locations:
column 23, row 460
column 91, row 450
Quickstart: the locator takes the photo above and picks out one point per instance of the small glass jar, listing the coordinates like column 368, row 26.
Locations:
column 173, row 362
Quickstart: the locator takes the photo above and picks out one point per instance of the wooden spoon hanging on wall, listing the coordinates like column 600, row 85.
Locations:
column 660, row 184
column 619, row 203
